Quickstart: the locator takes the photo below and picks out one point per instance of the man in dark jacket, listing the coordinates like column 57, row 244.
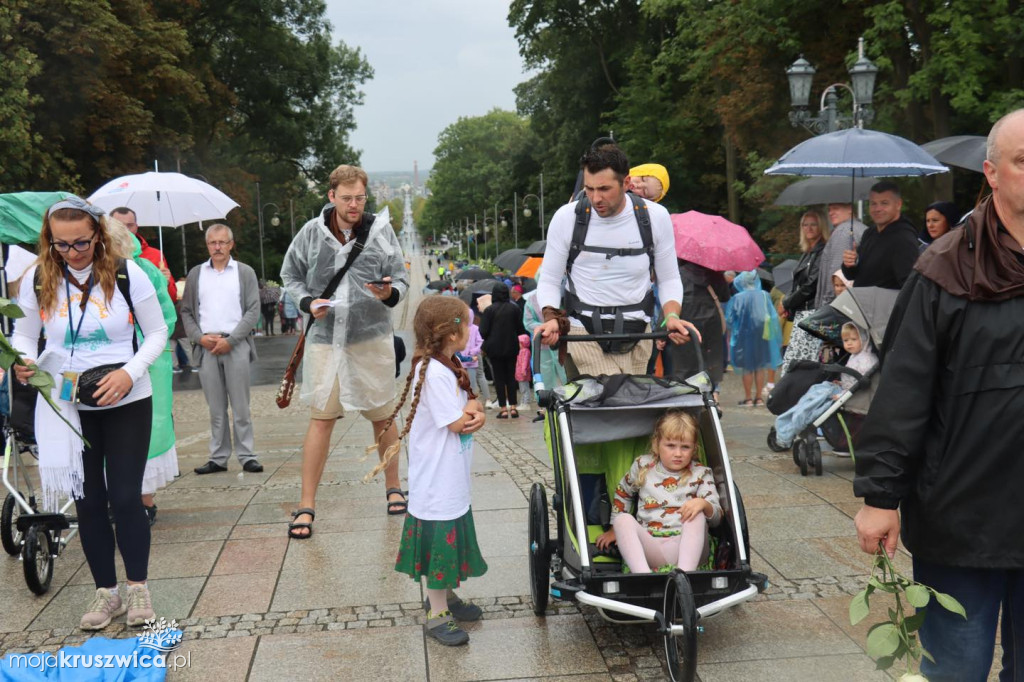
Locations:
column 944, row 436
column 887, row 253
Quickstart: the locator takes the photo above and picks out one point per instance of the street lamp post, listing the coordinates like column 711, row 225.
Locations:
column 274, row 221
column 515, row 226
column 828, row 119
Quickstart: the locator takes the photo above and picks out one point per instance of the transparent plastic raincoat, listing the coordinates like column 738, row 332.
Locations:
column 353, row 343
column 754, row 331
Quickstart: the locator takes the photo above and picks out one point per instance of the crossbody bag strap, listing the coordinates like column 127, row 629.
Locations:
column 329, row 290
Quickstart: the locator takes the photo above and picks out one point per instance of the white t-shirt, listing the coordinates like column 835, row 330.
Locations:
column 603, row 281
column 106, row 333
column 439, row 460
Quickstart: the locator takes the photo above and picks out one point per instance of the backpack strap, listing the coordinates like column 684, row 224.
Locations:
column 124, row 286
column 572, row 304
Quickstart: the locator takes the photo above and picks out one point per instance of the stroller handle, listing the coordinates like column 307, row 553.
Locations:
column 655, row 335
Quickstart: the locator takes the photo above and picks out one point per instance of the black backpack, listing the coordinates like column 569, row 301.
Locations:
column 592, row 319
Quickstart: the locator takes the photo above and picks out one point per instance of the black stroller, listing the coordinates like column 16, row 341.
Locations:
column 840, row 423
column 595, row 428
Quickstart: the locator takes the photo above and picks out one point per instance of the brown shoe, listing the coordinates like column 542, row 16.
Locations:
column 104, row 607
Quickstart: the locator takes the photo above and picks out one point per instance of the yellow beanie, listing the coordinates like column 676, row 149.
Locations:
column 655, row 170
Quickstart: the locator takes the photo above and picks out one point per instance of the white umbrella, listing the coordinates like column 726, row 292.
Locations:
column 160, row 199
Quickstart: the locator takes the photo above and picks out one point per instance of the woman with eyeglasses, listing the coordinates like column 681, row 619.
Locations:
column 76, row 291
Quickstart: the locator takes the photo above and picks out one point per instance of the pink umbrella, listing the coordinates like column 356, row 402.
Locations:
column 714, row 242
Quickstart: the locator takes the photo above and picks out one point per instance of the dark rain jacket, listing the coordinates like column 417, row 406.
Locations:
column 944, row 438
column 805, row 281
column 885, row 259
column 501, row 324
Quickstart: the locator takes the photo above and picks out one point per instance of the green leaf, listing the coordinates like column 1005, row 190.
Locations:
column 7, row 359
column 918, row 596
column 859, row 607
column 878, row 584
column 913, row 623
column 949, row 603
column 883, row 640
column 924, row 652
column 893, row 616
column 884, row 662
column 41, row 380
column 11, row 310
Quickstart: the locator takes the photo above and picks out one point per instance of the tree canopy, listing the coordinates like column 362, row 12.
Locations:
column 232, row 92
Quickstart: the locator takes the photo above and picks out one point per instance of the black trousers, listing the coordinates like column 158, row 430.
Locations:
column 114, row 463
column 505, row 384
column 269, row 310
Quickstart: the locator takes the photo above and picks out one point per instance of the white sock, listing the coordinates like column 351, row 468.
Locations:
column 112, row 590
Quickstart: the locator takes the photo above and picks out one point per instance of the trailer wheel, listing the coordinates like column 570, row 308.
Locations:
column 800, row 455
column 37, row 559
column 10, row 537
column 814, row 457
column 539, row 550
column 680, row 610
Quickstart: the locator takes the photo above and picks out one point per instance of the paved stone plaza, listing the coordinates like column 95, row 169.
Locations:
column 255, row 605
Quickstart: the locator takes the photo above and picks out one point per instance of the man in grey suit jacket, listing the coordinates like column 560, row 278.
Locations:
column 219, row 310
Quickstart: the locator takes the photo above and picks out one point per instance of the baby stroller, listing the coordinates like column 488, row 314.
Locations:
column 595, row 428
column 868, row 308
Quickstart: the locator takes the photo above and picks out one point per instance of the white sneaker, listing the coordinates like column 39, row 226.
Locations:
column 491, row 405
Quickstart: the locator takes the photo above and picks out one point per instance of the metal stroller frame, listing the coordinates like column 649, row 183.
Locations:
column 562, row 567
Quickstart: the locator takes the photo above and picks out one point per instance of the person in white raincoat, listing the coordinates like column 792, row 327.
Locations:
column 349, row 359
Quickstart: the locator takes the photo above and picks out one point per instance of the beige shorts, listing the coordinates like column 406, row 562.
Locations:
column 333, row 409
column 590, row 359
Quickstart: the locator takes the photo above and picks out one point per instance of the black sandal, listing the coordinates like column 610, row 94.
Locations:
column 513, row 413
column 402, row 505
column 295, row 525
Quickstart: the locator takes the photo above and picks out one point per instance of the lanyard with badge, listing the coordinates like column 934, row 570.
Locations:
column 69, row 379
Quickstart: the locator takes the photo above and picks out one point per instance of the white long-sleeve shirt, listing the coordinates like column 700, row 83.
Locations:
column 603, row 281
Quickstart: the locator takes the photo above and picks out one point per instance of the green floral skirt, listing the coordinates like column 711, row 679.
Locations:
column 444, row 551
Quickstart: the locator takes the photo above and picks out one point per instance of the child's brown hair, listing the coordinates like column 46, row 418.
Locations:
column 673, row 425
column 437, row 319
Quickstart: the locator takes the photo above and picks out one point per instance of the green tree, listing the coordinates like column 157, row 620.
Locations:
column 476, row 162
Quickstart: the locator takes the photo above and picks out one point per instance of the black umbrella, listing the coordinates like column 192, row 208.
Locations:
column 529, row 284
column 962, row 151
column 536, row 248
column 511, row 259
column 783, row 274
column 439, row 284
column 824, row 190
column 474, row 274
column 484, row 286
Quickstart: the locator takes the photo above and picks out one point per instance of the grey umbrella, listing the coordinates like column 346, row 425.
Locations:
column 474, row 274
column 869, row 308
column 783, row 274
column 857, row 153
column 537, row 248
column 484, row 286
column 962, row 151
column 824, row 191
column 511, row 260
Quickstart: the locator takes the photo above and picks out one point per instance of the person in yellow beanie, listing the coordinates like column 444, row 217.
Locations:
column 650, row 181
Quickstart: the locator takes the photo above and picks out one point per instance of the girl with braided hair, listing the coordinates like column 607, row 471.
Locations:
column 439, row 538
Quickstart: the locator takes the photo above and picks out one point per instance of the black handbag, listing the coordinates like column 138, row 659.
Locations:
column 88, row 382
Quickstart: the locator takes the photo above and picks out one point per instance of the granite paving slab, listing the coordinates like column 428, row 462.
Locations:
column 226, row 595
column 841, row 668
column 223, row 660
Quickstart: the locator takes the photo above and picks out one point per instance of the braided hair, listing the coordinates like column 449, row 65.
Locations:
column 437, row 319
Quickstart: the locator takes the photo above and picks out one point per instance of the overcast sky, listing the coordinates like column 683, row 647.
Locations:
column 433, row 61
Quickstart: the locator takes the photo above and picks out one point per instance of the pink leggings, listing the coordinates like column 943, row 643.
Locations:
column 641, row 550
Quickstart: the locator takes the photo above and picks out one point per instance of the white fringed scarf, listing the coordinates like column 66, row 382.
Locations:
column 60, row 453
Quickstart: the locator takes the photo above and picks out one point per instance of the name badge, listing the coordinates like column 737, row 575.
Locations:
column 69, row 386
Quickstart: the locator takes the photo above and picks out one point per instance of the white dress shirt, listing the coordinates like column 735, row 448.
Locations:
column 220, row 308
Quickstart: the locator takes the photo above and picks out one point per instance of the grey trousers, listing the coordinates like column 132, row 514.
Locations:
column 225, row 378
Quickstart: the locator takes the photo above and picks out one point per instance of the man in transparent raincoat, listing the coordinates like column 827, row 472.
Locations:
column 349, row 359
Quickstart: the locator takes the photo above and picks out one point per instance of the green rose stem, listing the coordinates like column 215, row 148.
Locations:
column 896, row 637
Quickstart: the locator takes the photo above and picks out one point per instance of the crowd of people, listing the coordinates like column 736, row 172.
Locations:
column 107, row 307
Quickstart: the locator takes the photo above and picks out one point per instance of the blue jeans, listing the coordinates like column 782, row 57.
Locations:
column 963, row 648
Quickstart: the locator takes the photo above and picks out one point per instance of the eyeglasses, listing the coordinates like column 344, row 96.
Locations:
column 349, row 199
column 218, row 245
column 81, row 245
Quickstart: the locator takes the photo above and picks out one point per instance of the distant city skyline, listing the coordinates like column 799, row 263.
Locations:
column 433, row 63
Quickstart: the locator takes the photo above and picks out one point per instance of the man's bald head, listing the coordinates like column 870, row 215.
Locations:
column 992, row 144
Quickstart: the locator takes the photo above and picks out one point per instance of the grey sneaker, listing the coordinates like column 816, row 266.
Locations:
column 442, row 627
column 140, row 606
column 462, row 611
column 103, row 608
